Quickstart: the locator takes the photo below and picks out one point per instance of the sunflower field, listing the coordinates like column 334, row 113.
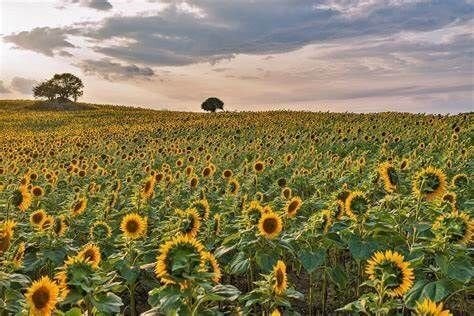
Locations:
column 110, row 210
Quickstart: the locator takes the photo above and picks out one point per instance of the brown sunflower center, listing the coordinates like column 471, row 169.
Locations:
column 293, row 206
column 37, row 218
column 89, row 255
column 270, row 225
column 132, row 226
column 40, row 297
column 280, row 277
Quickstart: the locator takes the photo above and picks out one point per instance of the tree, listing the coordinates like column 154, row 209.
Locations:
column 212, row 104
column 60, row 87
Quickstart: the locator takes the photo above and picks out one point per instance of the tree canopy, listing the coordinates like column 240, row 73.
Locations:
column 61, row 87
column 212, row 104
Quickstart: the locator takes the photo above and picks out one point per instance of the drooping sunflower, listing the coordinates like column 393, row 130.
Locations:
column 133, row 226
column 100, row 230
column 390, row 267
column 178, row 259
column 42, row 296
column 389, row 176
column 21, row 198
column 203, row 208
column 356, row 205
column 210, row 264
column 429, row 183
column 19, row 255
column 454, row 227
column 148, row 188
column 91, row 253
column 190, row 222
column 37, row 218
column 6, row 234
column 270, row 225
column 79, row 206
column 280, row 279
column 60, row 226
column 292, row 206
column 429, row 308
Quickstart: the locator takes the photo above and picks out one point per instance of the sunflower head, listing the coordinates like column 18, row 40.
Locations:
column 202, row 207
column 258, row 166
column 389, row 176
column 99, row 231
column 209, row 264
column 270, row 225
column 429, row 183
column 190, row 222
column 390, row 269
column 227, row 174
column 47, row 223
column 6, row 234
column 292, row 206
column 193, row 183
column 179, row 259
column 37, row 218
column 21, row 198
column 455, row 227
column 79, row 207
column 19, row 255
column 42, row 296
column 90, row 253
column 133, row 226
column 460, row 181
column 279, row 278
column 253, row 211
column 233, row 186
column 286, row 193
column 60, row 226
column 356, row 205
column 148, row 188
column 37, row 191
column 429, row 308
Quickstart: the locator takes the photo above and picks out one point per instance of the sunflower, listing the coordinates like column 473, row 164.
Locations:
column 450, row 198
column 356, row 205
column 47, row 223
column 227, row 174
column 455, row 227
column 37, row 191
column 60, row 226
column 286, row 193
column 190, row 222
column 6, row 234
column 193, row 182
column 258, row 166
column 79, row 207
column 270, row 225
column 37, row 218
column 275, row 312
column 178, row 259
column 217, row 224
column 100, row 230
column 460, row 181
column 148, row 188
column 280, row 278
column 429, row 308
column 429, row 183
column 134, row 226
column 209, row 263
column 253, row 211
column 61, row 279
column 203, row 208
column 339, row 209
column 233, row 186
column 42, row 296
column 21, row 198
column 390, row 268
column 19, row 255
column 389, row 176
column 292, row 206
column 326, row 221
column 91, row 253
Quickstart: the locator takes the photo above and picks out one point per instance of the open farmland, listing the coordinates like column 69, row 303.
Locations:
column 110, row 210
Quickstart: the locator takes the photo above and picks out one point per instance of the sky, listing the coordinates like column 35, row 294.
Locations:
column 323, row 55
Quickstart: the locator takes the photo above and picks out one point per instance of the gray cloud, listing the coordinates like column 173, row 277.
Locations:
column 101, row 5
column 43, row 40
column 112, row 71
column 3, row 89
column 23, row 85
column 175, row 37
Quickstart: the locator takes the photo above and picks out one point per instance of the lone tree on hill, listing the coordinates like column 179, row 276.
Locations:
column 61, row 87
column 212, row 104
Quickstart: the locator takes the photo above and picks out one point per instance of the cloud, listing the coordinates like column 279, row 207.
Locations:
column 3, row 89
column 112, row 71
column 101, row 5
column 43, row 40
column 23, row 85
column 175, row 36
